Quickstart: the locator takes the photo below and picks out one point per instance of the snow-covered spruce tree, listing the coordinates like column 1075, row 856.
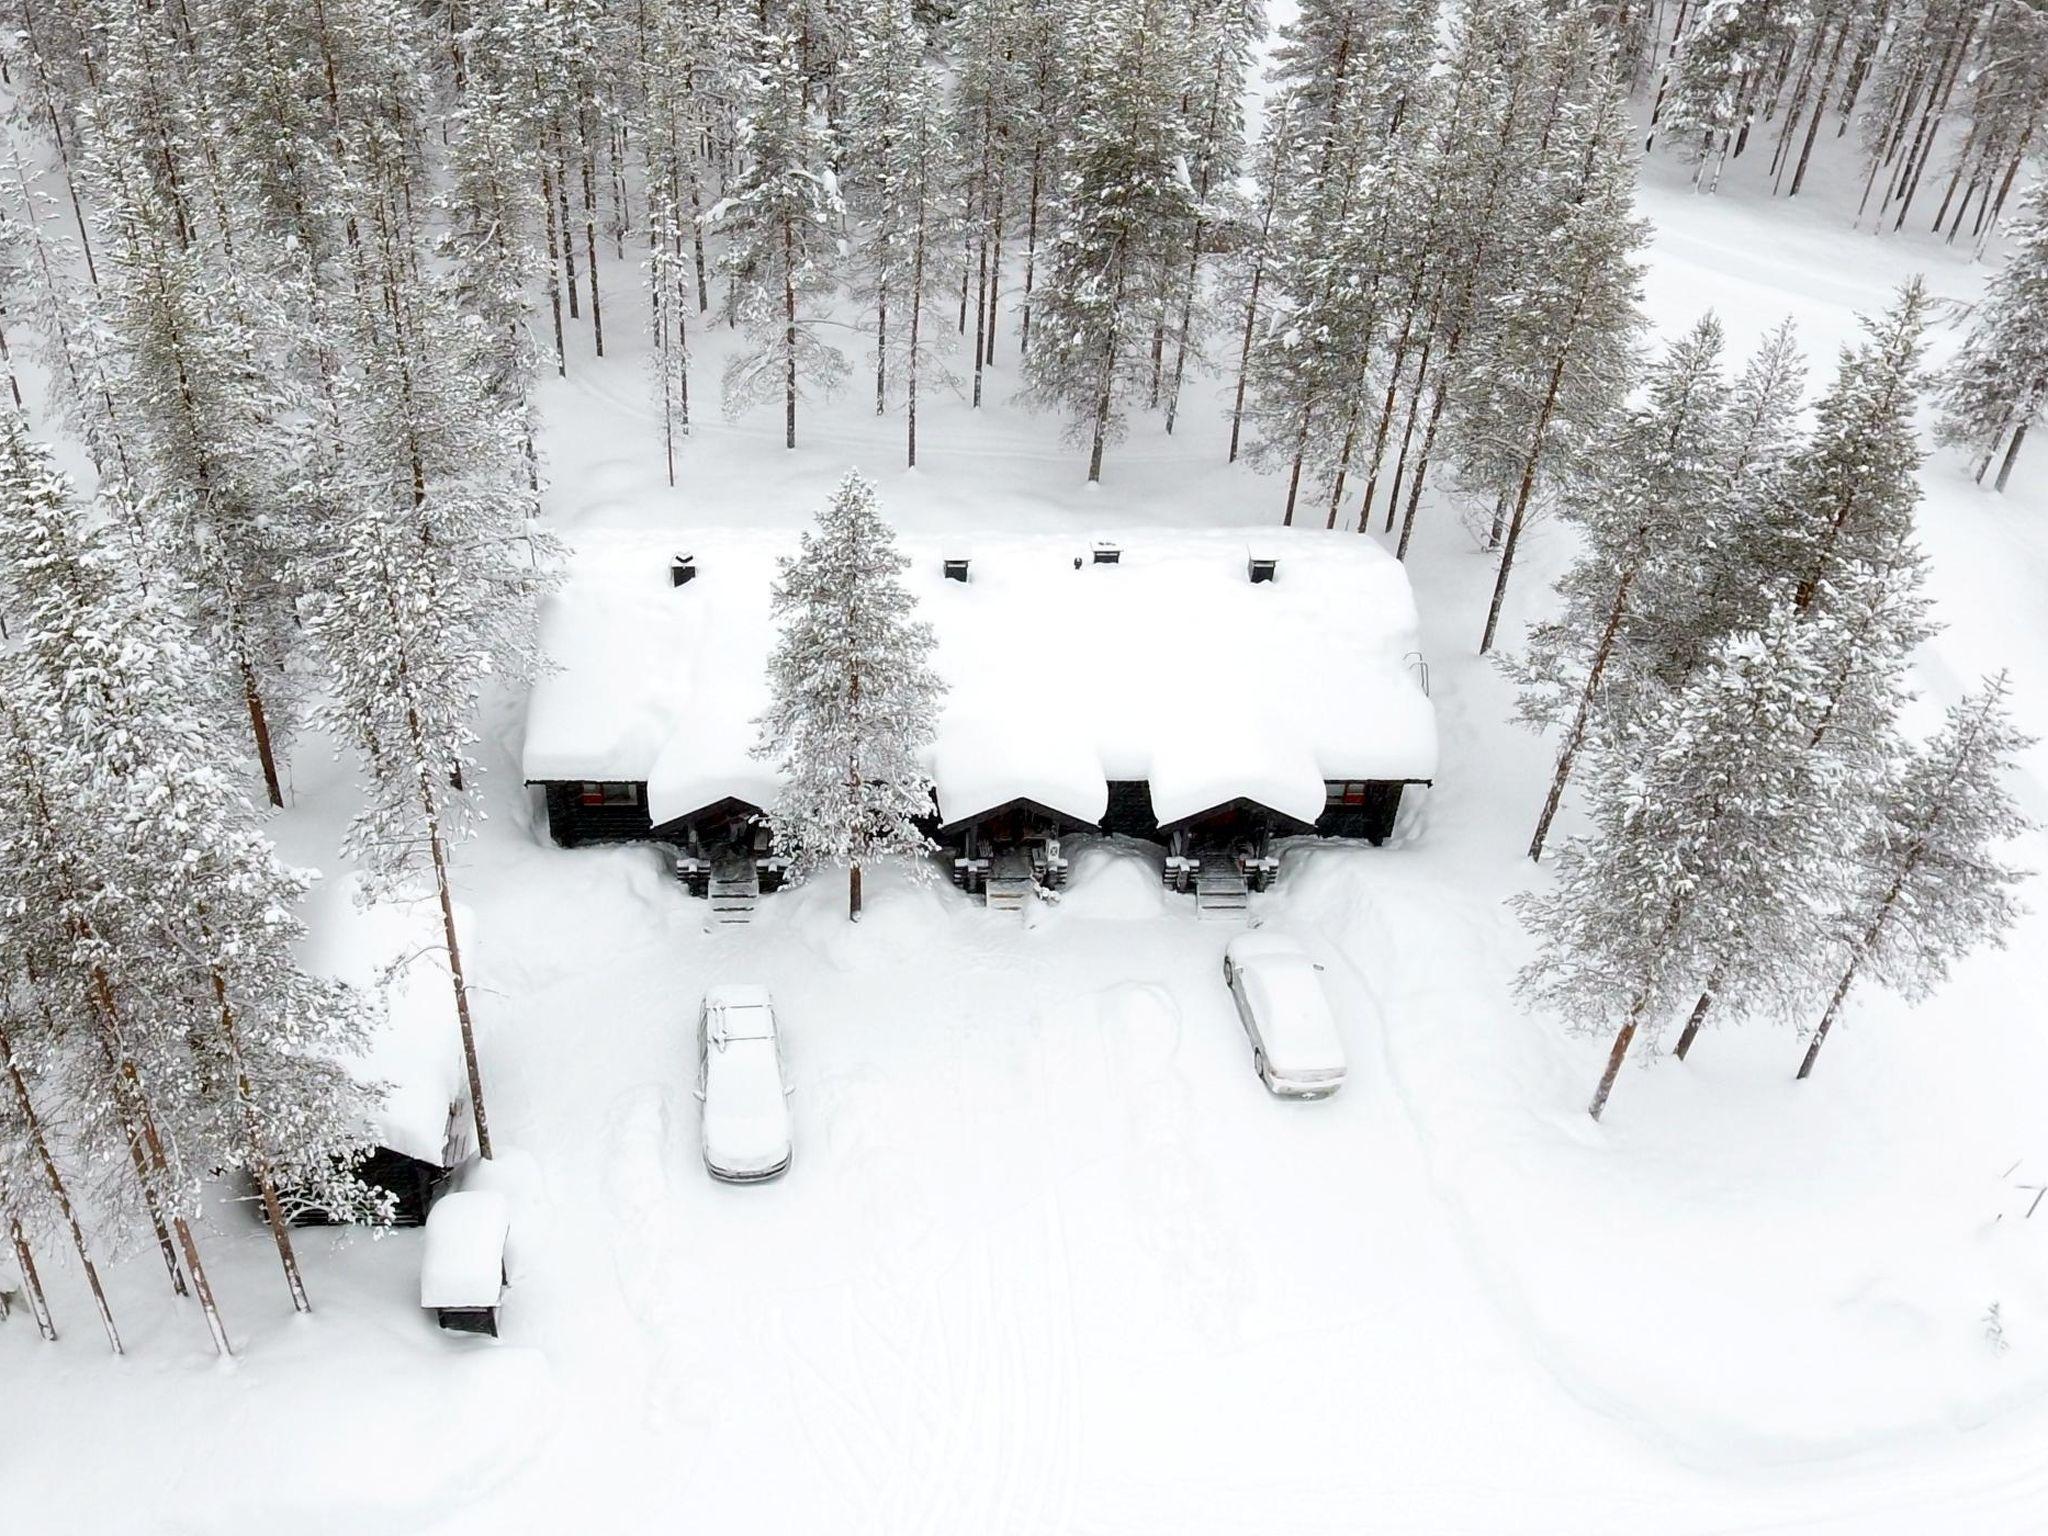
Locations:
column 1709, row 816
column 1733, row 585
column 493, row 202
column 1997, row 388
column 211, row 960
column 1849, row 495
column 1041, row 46
column 1476, row 167
column 988, row 88
column 244, row 1050
column 897, row 173
column 1225, row 32
column 853, row 698
column 1353, row 80
column 678, row 105
column 1649, row 488
column 1725, row 67
column 88, row 651
column 780, row 222
column 45, row 285
column 1924, row 885
column 1861, row 636
column 1110, row 268
column 201, row 397
column 426, row 590
column 1560, row 347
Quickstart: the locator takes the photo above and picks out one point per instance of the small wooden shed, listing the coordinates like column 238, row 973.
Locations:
column 462, row 1273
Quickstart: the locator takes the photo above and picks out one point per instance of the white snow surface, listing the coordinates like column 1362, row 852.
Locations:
column 464, row 1260
column 1170, row 665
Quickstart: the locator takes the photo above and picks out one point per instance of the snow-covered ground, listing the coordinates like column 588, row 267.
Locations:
column 1049, row 1258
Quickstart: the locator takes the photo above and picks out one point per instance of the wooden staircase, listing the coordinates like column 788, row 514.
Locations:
column 1220, row 889
column 1010, row 881
column 735, row 887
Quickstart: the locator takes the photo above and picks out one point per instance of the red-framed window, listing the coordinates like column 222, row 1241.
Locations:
column 1344, row 792
column 615, row 792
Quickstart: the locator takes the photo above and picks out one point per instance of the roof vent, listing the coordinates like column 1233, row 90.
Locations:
column 681, row 569
column 1106, row 553
column 956, row 569
column 1262, row 568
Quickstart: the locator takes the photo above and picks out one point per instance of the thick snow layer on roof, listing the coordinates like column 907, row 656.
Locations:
column 464, row 1262
column 393, row 949
column 1169, row 666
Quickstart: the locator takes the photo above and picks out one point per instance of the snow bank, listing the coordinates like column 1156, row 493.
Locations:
column 463, row 1265
column 1170, row 665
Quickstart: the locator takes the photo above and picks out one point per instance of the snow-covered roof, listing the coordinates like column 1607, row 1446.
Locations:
column 1169, row 666
column 392, row 949
column 464, row 1262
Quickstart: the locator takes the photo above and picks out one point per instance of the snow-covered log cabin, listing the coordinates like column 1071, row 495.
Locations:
column 1210, row 691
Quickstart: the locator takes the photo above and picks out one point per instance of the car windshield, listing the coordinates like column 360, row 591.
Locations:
column 729, row 1024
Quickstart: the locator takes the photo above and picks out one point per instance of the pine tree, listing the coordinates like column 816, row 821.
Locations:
column 1653, row 484
column 1924, row 884
column 1849, row 494
column 1997, row 388
column 896, row 170
column 1110, row 269
column 425, row 592
column 780, row 221
column 988, row 86
column 1709, row 817
column 1559, row 353
column 853, row 698
column 1224, row 35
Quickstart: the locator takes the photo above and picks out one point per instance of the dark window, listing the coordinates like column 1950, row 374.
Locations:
column 1344, row 792
column 611, row 794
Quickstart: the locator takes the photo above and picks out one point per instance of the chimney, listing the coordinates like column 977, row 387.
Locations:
column 1106, row 552
column 681, row 569
column 956, row 569
column 1260, row 568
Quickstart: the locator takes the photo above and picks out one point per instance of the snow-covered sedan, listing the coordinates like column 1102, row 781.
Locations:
column 1295, row 1049
column 740, row 1080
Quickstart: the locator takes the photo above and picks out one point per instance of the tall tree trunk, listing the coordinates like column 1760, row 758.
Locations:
column 1827, row 1019
column 1618, row 1054
column 2012, row 453
column 259, row 1156
column 1436, row 414
column 1537, row 446
column 1698, row 1016
column 788, row 335
column 461, row 986
column 31, row 1282
column 1596, row 670
column 590, row 242
column 31, row 1119
column 554, row 275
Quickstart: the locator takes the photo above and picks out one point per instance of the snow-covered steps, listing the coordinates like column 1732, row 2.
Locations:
column 735, row 887
column 1010, row 881
column 1221, row 891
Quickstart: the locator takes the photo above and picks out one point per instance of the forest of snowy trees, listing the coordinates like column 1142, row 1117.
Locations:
column 292, row 273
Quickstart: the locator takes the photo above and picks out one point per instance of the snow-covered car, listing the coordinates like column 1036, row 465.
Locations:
column 741, row 1084
column 1280, row 999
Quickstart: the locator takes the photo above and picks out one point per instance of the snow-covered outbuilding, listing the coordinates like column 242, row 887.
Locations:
column 462, row 1269
column 1209, row 690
